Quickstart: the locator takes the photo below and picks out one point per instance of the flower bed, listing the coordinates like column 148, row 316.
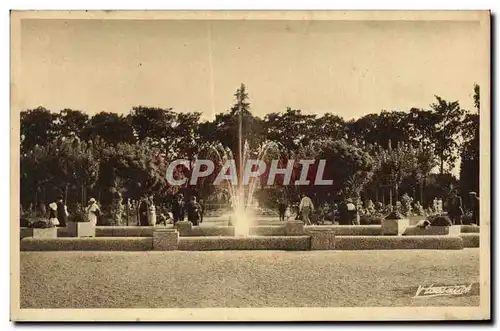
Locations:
column 398, row 242
column 88, row 244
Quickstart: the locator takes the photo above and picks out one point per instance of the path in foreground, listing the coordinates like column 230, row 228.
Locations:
column 242, row 278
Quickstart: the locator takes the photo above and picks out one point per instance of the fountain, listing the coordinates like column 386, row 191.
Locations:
column 242, row 214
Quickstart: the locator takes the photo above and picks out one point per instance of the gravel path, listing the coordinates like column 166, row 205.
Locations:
column 242, row 278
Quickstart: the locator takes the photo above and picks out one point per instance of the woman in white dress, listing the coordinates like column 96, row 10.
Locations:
column 152, row 213
column 93, row 211
column 53, row 214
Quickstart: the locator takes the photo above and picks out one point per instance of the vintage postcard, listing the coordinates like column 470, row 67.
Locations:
column 250, row 166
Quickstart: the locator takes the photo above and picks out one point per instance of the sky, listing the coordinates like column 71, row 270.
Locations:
column 349, row 68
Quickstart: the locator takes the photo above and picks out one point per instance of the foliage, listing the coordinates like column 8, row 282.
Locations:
column 448, row 128
column 41, row 223
column 368, row 219
column 406, row 205
column 392, row 152
column 440, row 220
column 78, row 216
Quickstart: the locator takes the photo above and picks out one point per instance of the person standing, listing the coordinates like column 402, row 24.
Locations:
column 62, row 212
column 53, row 214
column 152, row 212
column 193, row 211
column 306, row 207
column 282, row 205
column 202, row 210
column 475, row 207
column 143, row 211
column 178, row 208
column 42, row 210
column 455, row 209
column 128, row 207
column 93, row 211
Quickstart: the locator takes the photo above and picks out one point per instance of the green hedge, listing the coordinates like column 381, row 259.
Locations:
column 124, row 231
column 397, row 242
column 471, row 240
column 470, row 229
column 88, row 244
column 197, row 231
column 294, row 243
column 267, row 230
column 349, row 230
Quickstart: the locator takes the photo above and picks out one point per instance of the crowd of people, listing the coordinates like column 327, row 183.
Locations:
column 143, row 212
column 348, row 210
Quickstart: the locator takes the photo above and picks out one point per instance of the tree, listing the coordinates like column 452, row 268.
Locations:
column 395, row 165
column 111, row 128
column 291, row 129
column 380, row 129
column 238, row 125
column 469, row 163
column 138, row 169
column 425, row 162
column 347, row 165
column 330, row 126
column 449, row 117
column 38, row 127
column 72, row 122
column 154, row 123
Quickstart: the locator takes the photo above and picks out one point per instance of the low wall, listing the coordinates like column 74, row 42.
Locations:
column 471, row 240
column 295, row 243
column 88, row 244
column 398, row 242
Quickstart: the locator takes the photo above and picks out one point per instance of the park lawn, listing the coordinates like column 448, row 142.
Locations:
column 243, row 278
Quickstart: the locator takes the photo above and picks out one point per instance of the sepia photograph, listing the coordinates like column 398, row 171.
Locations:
column 250, row 166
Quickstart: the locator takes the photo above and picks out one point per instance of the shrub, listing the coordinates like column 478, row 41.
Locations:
column 394, row 215
column 41, row 223
column 467, row 219
column 78, row 216
column 418, row 209
column 25, row 222
column 374, row 219
column 406, row 202
column 440, row 220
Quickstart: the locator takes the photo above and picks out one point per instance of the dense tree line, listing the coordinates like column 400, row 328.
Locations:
column 379, row 156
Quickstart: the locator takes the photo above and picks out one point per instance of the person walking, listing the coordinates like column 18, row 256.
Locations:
column 306, row 207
